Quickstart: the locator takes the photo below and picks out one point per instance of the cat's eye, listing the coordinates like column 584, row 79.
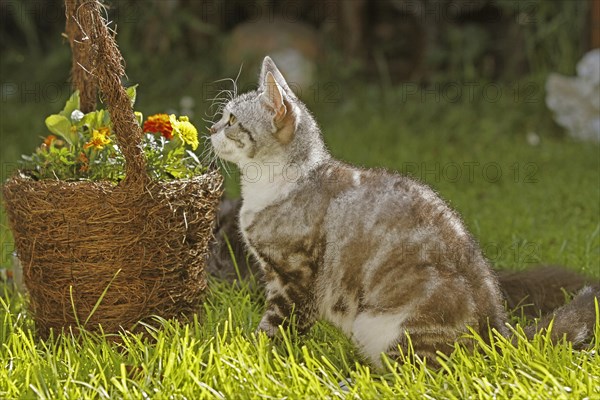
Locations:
column 232, row 120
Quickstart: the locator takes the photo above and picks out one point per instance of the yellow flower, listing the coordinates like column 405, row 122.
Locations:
column 184, row 129
column 99, row 139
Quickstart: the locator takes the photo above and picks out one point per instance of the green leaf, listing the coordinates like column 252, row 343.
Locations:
column 140, row 117
column 90, row 120
column 61, row 126
column 174, row 147
column 132, row 93
column 104, row 118
column 72, row 104
column 96, row 119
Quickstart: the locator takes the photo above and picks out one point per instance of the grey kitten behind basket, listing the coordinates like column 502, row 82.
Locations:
column 228, row 259
column 377, row 254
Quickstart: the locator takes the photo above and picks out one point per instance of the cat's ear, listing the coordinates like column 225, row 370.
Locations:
column 269, row 66
column 274, row 98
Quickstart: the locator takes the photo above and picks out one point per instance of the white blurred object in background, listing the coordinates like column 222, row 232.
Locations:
column 293, row 45
column 576, row 100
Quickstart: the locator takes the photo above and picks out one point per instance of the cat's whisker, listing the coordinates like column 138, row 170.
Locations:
column 235, row 87
column 218, row 95
column 211, row 116
column 208, row 148
column 209, row 157
column 210, row 122
column 233, row 81
column 219, row 103
column 228, row 94
column 219, row 163
column 214, row 113
column 225, row 95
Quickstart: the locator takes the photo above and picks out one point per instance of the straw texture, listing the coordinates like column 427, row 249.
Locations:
column 96, row 253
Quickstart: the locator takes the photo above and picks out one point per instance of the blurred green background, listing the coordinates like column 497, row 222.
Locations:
column 449, row 91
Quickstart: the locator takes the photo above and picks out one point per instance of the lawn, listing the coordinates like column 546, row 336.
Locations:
column 526, row 202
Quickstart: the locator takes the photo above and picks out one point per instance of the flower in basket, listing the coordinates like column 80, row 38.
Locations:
column 83, row 146
column 169, row 126
column 159, row 123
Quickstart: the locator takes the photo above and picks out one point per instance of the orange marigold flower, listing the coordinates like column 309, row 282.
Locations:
column 84, row 162
column 49, row 139
column 159, row 123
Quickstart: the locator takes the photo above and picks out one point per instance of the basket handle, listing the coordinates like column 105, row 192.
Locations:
column 97, row 63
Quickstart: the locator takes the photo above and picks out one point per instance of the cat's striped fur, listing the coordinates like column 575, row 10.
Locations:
column 377, row 254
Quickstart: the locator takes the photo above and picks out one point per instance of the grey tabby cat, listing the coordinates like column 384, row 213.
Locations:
column 377, row 254
column 530, row 293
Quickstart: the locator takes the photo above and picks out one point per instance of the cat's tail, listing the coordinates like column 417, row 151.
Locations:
column 574, row 321
column 543, row 291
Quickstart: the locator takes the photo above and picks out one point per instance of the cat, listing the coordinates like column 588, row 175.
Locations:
column 530, row 293
column 538, row 291
column 374, row 253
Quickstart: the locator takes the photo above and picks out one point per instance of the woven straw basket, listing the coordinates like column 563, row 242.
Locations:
column 95, row 253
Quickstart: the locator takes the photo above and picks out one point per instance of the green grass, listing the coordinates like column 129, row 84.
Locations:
column 545, row 208
column 220, row 357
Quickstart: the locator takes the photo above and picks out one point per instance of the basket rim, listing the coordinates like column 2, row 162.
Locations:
column 21, row 176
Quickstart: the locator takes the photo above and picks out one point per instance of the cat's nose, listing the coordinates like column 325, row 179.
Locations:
column 213, row 130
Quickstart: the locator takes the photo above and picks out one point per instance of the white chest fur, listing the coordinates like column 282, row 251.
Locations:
column 262, row 187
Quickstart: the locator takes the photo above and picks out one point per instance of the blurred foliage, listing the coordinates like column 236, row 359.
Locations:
column 173, row 49
column 555, row 33
column 428, row 40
